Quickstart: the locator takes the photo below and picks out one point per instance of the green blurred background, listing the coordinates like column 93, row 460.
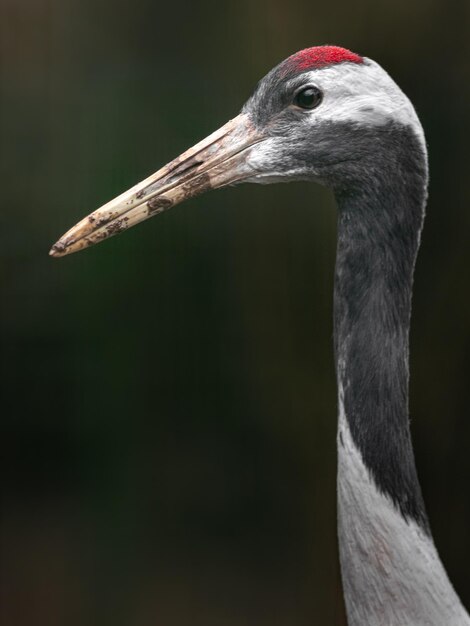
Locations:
column 168, row 397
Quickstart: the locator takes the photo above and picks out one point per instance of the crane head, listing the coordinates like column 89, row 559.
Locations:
column 319, row 115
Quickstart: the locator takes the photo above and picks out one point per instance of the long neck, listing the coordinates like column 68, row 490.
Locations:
column 391, row 570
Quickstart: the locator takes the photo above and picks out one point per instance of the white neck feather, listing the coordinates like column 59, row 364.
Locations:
column 392, row 574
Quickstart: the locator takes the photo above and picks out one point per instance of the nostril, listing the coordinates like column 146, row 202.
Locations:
column 185, row 167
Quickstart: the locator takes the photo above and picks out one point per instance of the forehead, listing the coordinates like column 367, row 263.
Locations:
column 354, row 91
column 316, row 58
column 271, row 89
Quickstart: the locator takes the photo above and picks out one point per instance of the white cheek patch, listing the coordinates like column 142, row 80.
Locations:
column 263, row 160
column 363, row 94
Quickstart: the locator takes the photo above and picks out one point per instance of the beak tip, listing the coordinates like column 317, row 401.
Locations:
column 57, row 250
column 216, row 161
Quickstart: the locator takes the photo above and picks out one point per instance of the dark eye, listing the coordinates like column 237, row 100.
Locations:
column 308, row 98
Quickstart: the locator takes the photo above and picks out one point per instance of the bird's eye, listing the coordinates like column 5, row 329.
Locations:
column 308, row 98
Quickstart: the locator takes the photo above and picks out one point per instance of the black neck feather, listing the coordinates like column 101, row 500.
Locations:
column 380, row 221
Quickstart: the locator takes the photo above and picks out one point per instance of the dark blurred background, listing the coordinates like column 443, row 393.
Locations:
column 168, row 398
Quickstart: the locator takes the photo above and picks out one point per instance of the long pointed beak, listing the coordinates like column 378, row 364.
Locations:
column 217, row 161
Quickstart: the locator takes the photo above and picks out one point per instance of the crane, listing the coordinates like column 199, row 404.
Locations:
column 328, row 115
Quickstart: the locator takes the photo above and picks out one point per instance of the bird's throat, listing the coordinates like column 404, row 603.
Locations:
column 380, row 217
column 390, row 568
column 372, row 304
